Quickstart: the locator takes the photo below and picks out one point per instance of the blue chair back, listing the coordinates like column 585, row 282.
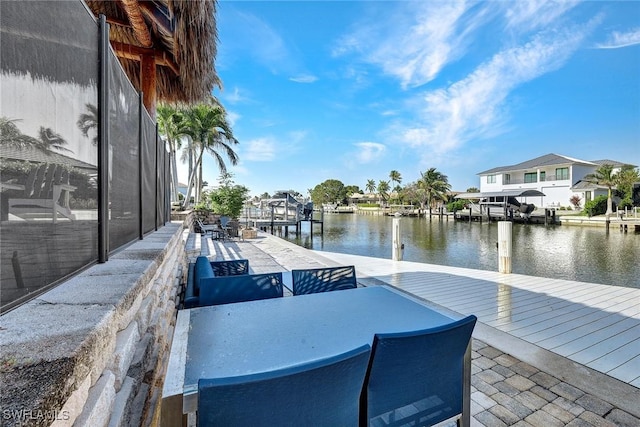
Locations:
column 232, row 267
column 315, row 280
column 320, row 393
column 203, row 270
column 247, row 287
column 416, row 378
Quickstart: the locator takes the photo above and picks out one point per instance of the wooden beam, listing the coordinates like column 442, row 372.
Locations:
column 148, row 83
column 151, row 11
column 132, row 9
column 118, row 22
column 135, row 52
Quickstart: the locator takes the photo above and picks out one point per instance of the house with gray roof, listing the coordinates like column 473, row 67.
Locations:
column 558, row 177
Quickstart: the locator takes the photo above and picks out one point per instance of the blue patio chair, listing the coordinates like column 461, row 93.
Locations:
column 326, row 279
column 248, row 287
column 416, row 378
column 230, row 267
column 319, row 393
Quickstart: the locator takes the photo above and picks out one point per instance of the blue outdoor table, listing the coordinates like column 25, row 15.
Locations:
column 257, row 336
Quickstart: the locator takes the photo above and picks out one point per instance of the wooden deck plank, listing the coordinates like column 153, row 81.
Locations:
column 591, row 324
column 567, row 317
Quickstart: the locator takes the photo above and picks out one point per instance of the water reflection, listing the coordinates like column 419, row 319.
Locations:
column 585, row 254
column 504, row 302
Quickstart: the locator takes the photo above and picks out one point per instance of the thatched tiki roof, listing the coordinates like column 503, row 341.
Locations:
column 166, row 47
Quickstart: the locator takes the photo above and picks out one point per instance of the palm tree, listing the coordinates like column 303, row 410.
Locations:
column 604, row 176
column 383, row 190
column 209, row 130
column 11, row 136
column 52, row 140
column 371, row 186
column 434, row 185
column 171, row 124
column 396, row 177
column 47, row 140
column 88, row 122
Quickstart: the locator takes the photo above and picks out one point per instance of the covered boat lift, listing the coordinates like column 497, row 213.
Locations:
column 507, row 200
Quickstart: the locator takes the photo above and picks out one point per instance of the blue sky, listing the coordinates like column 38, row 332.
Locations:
column 351, row 90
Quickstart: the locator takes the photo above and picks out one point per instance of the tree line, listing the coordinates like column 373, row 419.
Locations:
column 430, row 189
column 433, row 188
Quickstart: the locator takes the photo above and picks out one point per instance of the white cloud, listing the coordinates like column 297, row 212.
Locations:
column 618, row 39
column 415, row 40
column 233, row 117
column 261, row 149
column 296, row 137
column 261, row 41
column 532, row 14
column 368, row 152
column 234, row 96
column 304, row 78
column 476, row 106
column 267, row 45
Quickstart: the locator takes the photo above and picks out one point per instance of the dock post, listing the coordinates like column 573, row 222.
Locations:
column 546, row 216
column 272, row 207
column 469, row 215
column 396, row 243
column 504, row 246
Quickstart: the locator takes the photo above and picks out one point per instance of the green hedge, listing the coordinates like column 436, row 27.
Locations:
column 597, row 206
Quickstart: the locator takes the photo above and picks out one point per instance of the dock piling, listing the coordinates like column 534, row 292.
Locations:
column 505, row 248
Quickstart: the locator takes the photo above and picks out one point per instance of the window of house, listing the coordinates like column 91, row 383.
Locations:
column 491, row 179
column 562, row 173
column 507, row 178
column 530, row 177
column 543, row 176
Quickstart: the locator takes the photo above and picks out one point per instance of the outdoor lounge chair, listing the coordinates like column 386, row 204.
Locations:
column 206, row 229
column 202, row 269
column 326, row 279
column 319, row 393
column 247, row 287
column 416, row 378
column 46, row 193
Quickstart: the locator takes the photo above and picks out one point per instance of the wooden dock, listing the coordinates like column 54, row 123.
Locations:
column 281, row 225
column 624, row 225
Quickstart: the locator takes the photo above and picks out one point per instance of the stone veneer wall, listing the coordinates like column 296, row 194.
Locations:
column 92, row 351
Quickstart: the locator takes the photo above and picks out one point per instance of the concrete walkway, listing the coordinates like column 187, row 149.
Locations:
column 514, row 382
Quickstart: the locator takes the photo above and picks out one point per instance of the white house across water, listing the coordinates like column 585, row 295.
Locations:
column 558, row 177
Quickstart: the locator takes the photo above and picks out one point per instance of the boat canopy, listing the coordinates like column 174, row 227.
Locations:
column 505, row 193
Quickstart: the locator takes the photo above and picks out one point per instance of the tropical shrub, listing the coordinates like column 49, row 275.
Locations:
column 597, row 206
column 229, row 200
column 457, row 205
column 625, row 203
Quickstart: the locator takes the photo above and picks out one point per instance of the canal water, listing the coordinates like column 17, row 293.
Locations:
column 586, row 254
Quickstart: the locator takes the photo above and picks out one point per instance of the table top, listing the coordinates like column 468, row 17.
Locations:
column 258, row 336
